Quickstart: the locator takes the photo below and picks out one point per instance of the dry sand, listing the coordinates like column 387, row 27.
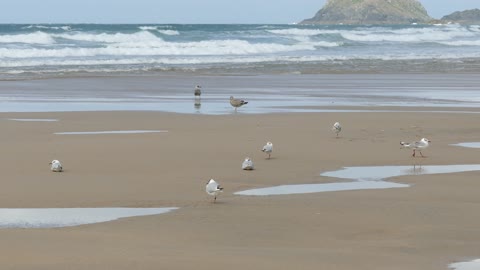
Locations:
column 427, row 226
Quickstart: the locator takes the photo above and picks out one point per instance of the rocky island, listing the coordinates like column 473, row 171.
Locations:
column 471, row 16
column 370, row 12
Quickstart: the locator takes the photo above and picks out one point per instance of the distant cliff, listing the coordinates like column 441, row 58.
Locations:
column 471, row 16
column 370, row 12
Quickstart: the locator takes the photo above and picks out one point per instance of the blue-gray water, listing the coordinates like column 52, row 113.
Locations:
column 265, row 93
column 62, row 50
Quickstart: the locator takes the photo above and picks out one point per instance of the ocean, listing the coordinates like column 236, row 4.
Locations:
column 57, row 50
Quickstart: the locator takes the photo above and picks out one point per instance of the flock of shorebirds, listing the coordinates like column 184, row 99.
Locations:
column 213, row 188
column 235, row 102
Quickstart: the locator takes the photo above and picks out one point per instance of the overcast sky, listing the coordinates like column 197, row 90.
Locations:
column 183, row 11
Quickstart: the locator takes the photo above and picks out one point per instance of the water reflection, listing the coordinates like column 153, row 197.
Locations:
column 197, row 104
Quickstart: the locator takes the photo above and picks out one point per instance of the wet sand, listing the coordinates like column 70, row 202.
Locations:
column 426, row 226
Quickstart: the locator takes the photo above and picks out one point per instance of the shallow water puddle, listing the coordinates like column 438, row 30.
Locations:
column 468, row 144
column 66, row 217
column 110, row 132
column 366, row 178
column 472, row 265
column 33, row 119
column 376, row 173
column 314, row 188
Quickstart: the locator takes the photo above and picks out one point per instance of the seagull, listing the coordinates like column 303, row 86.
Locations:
column 198, row 91
column 420, row 145
column 268, row 148
column 247, row 164
column 236, row 103
column 213, row 188
column 337, row 128
column 56, row 166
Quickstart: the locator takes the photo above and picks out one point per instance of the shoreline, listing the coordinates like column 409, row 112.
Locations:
column 265, row 93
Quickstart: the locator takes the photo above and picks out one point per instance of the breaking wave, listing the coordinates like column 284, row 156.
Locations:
column 139, row 47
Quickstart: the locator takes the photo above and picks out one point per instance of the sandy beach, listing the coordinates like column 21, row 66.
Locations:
column 428, row 225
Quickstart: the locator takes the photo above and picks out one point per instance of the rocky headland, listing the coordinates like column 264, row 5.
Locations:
column 382, row 12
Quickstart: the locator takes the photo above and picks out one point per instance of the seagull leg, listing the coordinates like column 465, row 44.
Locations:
column 421, row 154
column 413, row 153
column 269, row 156
column 215, row 199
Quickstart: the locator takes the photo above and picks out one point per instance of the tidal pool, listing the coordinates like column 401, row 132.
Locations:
column 472, row 265
column 375, row 173
column 314, row 188
column 468, row 144
column 365, row 178
column 110, row 132
column 33, row 119
column 66, row 217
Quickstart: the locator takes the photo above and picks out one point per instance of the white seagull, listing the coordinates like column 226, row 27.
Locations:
column 236, row 103
column 213, row 188
column 268, row 148
column 247, row 164
column 337, row 128
column 56, row 166
column 419, row 145
column 198, row 91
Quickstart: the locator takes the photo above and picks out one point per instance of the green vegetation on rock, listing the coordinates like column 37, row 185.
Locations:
column 370, row 12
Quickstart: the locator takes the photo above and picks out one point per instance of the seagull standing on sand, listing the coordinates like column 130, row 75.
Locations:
column 56, row 166
column 236, row 103
column 337, row 128
column 213, row 188
column 268, row 148
column 419, row 145
column 198, row 91
column 247, row 164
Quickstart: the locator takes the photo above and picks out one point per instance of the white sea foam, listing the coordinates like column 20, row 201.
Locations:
column 474, row 28
column 169, row 32
column 32, row 38
column 146, row 28
column 65, row 27
column 45, row 48
column 377, row 34
column 300, row 32
column 462, row 43
column 142, row 36
column 58, row 60
column 408, row 34
column 159, row 47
